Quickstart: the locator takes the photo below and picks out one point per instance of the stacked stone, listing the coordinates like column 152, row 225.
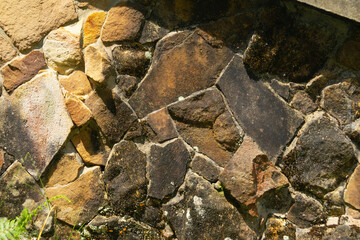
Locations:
column 183, row 119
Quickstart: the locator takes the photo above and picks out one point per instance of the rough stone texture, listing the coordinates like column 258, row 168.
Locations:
column 36, row 114
column 130, row 60
column 27, row 22
column 125, row 177
column 353, row 131
column 302, row 102
column 91, row 145
column 306, row 211
column 206, row 168
column 179, row 68
column 62, row 50
column 92, row 28
column 278, row 228
column 352, row 192
column 16, row 193
column 162, row 125
column 86, row 194
column 342, row 100
column 127, row 84
column 342, row 231
column 95, row 4
column 123, row 23
column 273, row 125
column 281, row 88
column 250, row 174
column 65, row 167
column 79, row 113
column 334, row 203
column 112, row 115
column 97, row 63
column 200, row 212
column 22, row 70
column 346, row 8
column 320, row 158
column 7, row 51
column 77, row 83
column 348, row 55
column 152, row 32
column 316, row 85
column 226, row 133
column 166, row 168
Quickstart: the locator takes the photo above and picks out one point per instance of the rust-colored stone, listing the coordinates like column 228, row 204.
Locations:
column 92, row 28
column 77, row 83
column 79, row 113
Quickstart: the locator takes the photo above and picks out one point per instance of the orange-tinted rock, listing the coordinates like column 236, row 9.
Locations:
column 22, row 70
column 77, row 83
column 92, row 28
column 79, row 113
column 123, row 23
column 7, row 51
column 178, row 70
column 162, row 125
column 90, row 144
column 352, row 192
column 348, row 55
column 86, row 194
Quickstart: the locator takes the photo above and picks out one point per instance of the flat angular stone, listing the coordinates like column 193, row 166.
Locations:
column 92, row 28
column 281, row 88
column 263, row 116
column 27, row 22
column 199, row 212
column 205, row 168
column 91, row 146
column 320, row 158
column 79, row 113
column 62, row 51
column 112, row 115
column 125, row 177
column 303, row 103
column 7, row 51
column 83, row 207
column 179, row 68
column 37, row 117
column 167, row 168
column 162, row 125
column 77, row 83
column 22, row 70
column 226, row 132
column 352, row 192
column 123, row 23
column 152, row 32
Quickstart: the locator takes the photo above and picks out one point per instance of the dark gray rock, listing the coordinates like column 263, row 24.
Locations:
column 162, row 126
column 205, row 168
column 152, row 32
column 267, row 119
column 200, row 212
column 346, row 232
column 166, row 168
column 320, row 158
column 281, row 88
column 127, row 84
column 303, row 103
column 353, row 131
column 125, row 177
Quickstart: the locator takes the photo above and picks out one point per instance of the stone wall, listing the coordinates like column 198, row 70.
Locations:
column 182, row 119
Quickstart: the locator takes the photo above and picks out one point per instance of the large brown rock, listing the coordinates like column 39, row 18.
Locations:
column 113, row 116
column 162, row 125
column 27, row 22
column 79, row 113
column 167, row 168
column 92, row 28
column 22, row 70
column 262, row 115
column 77, row 83
column 125, row 177
column 35, row 121
column 180, row 67
column 200, row 212
column 123, row 23
column 352, row 192
column 7, row 51
column 87, row 195
column 206, row 168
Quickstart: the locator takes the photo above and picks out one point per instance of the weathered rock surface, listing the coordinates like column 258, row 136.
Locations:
column 112, row 115
column 28, row 22
column 226, row 132
column 92, row 28
column 199, row 211
column 278, row 228
column 342, row 100
column 348, row 54
column 78, row 111
column 62, row 50
column 179, row 68
column 86, row 194
column 123, row 23
column 35, row 113
column 130, row 60
column 125, row 177
column 22, row 70
column 77, row 83
column 127, row 84
column 97, row 63
column 352, row 192
column 334, row 202
column 94, row 4
column 205, row 168
column 166, row 168
column 320, row 158
column 353, row 131
column 342, row 231
column 162, row 125
column 281, row 88
column 7, row 51
column 152, row 32
column 273, row 125
column 306, row 211
column 303, row 103
column 90, row 144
